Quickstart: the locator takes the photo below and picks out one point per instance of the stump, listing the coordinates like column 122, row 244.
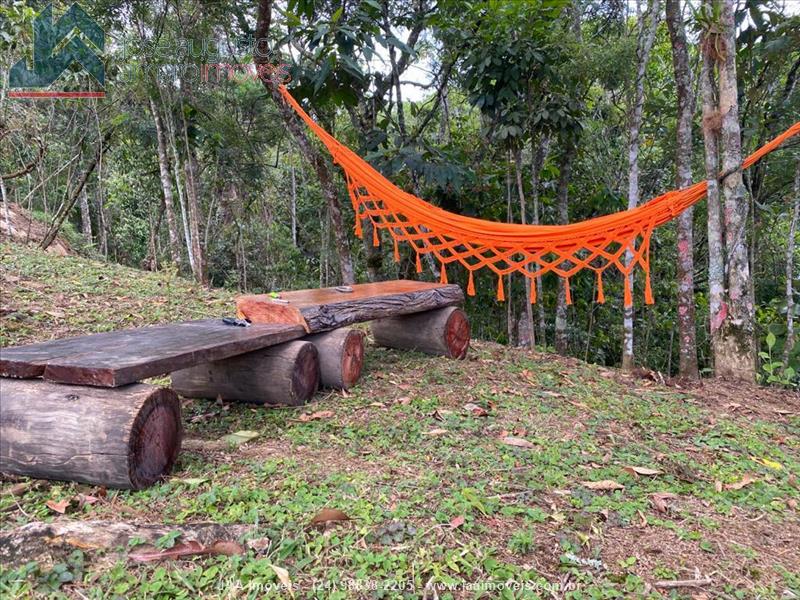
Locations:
column 127, row 437
column 341, row 357
column 444, row 331
column 284, row 374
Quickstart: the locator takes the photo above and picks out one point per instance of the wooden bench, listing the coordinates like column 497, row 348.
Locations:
column 56, row 421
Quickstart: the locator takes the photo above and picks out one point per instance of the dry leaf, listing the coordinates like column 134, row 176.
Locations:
column 322, row 414
column 435, row 432
column 636, row 471
column 60, row 507
column 767, row 463
column 659, row 500
column 510, row 440
column 604, row 485
column 476, row 410
column 718, row 486
column 744, row 481
column 457, row 522
column 283, row 576
column 329, row 515
column 225, row 548
column 404, row 400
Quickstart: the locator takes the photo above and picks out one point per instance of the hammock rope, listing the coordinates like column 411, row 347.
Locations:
column 597, row 244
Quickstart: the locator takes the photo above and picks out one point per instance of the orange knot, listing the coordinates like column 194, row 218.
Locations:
column 566, row 290
column 470, row 285
column 419, row 264
column 501, row 293
column 443, row 274
column 601, row 297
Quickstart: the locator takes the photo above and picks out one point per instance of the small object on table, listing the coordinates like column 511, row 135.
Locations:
column 236, row 322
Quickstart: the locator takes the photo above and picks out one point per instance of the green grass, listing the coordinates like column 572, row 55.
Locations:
column 526, row 516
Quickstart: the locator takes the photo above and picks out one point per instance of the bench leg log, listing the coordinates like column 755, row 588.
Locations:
column 444, row 331
column 341, row 357
column 126, row 437
column 283, row 374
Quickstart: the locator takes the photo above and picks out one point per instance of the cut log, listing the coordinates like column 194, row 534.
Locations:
column 341, row 357
column 283, row 374
column 330, row 308
column 444, row 332
column 128, row 437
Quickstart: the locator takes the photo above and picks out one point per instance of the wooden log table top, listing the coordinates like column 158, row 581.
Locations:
column 329, row 308
column 119, row 357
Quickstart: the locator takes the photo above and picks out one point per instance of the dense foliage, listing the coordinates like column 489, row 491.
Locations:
column 466, row 104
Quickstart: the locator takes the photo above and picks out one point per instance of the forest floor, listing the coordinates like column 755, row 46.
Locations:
column 510, row 474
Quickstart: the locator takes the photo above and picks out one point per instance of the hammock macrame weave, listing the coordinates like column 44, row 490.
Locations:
column 531, row 250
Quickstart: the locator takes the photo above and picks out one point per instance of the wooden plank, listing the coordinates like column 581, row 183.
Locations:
column 120, row 357
column 328, row 308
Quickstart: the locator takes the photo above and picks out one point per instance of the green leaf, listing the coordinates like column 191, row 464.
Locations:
column 240, row 437
column 771, row 340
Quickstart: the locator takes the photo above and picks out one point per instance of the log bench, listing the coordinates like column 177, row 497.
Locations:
column 73, row 408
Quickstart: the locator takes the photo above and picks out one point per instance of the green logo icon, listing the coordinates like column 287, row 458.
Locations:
column 48, row 36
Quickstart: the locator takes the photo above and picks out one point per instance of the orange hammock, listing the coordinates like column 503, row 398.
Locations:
column 531, row 250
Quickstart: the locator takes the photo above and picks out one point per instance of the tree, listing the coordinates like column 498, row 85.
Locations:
column 683, row 169
column 646, row 25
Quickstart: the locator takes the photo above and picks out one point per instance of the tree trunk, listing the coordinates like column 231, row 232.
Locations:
column 523, row 220
column 195, row 215
column 790, row 249
column 538, row 156
column 565, row 174
column 736, row 356
column 294, row 208
column 86, row 217
column 645, row 38
column 687, row 347
column 444, row 331
column 127, row 437
column 166, row 185
column 284, row 374
column 716, row 260
column 318, row 161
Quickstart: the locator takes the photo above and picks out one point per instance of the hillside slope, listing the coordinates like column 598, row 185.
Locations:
column 454, row 474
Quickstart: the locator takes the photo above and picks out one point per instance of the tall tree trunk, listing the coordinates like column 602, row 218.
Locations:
column 565, row 174
column 716, row 251
column 736, row 357
column 294, row 208
column 176, row 158
column 166, row 185
column 523, row 220
column 645, row 38
column 687, row 346
column 195, row 214
column 86, row 217
column 790, row 249
column 538, row 155
column 313, row 154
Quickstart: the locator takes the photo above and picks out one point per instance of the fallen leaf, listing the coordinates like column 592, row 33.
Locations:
column 240, row 437
column 322, row 414
column 604, row 485
column 84, row 500
column 476, row 410
column 456, row 522
column 377, row 404
column 329, row 515
column 283, row 576
column 191, row 480
column 404, row 400
column 510, row 440
column 435, row 432
column 225, row 548
column 744, row 481
column 659, row 500
column 718, row 486
column 60, row 507
column 151, row 554
column 636, row 471
column 767, row 463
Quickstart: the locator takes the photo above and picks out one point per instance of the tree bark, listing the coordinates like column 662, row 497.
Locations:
column 86, row 217
column 318, row 161
column 790, row 250
column 523, row 220
column 562, row 194
column 687, row 347
column 736, row 356
column 195, row 215
column 645, row 38
column 127, row 437
column 166, row 184
column 538, row 156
